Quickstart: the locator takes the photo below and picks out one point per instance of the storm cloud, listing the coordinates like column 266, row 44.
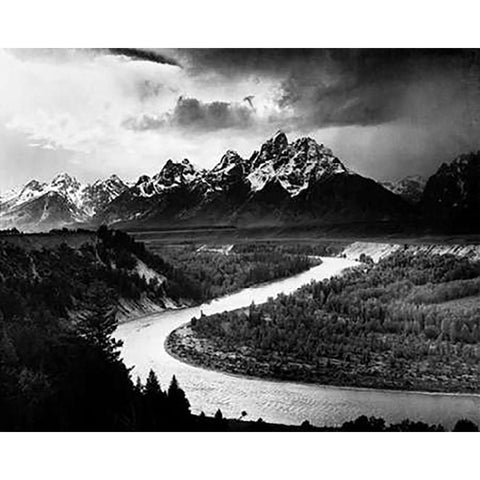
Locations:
column 193, row 114
column 389, row 111
column 372, row 88
column 385, row 113
column 143, row 55
column 350, row 87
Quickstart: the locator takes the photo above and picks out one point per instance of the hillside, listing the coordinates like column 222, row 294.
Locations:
column 68, row 265
column 451, row 199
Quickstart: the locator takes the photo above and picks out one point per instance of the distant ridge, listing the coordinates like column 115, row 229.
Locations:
column 282, row 184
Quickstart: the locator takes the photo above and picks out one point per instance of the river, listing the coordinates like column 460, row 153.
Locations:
column 278, row 402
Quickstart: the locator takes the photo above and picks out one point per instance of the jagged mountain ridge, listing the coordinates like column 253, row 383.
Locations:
column 293, row 165
column 301, row 182
column 281, row 184
column 63, row 201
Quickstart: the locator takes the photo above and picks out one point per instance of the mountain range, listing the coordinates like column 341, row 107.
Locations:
column 63, row 201
column 299, row 183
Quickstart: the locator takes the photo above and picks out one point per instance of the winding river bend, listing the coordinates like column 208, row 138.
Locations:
column 279, row 402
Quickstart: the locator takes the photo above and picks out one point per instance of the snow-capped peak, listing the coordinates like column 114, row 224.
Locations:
column 176, row 172
column 31, row 190
column 231, row 169
column 111, row 180
column 114, row 178
column 34, row 185
column 85, row 200
column 64, row 183
column 64, row 178
column 294, row 165
column 8, row 195
column 100, row 193
column 272, row 148
column 229, row 160
column 19, row 195
column 173, row 174
column 410, row 187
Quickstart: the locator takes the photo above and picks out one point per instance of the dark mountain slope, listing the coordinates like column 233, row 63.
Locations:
column 451, row 199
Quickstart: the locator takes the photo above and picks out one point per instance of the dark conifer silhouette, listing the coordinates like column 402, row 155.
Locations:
column 465, row 425
column 179, row 406
column 99, row 321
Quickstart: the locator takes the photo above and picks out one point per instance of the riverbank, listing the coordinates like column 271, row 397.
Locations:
column 187, row 347
column 360, row 424
column 276, row 401
column 131, row 311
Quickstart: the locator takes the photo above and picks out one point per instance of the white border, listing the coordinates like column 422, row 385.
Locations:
column 246, row 23
column 249, row 23
column 238, row 456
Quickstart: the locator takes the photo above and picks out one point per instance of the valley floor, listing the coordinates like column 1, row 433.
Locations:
column 340, row 235
column 448, row 362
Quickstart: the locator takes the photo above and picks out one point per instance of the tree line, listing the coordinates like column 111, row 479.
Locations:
column 383, row 325
column 216, row 274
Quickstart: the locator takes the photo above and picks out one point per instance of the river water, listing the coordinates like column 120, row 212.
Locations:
column 279, row 402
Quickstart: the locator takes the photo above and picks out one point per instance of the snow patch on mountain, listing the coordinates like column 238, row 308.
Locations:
column 173, row 174
column 99, row 194
column 410, row 188
column 295, row 165
column 62, row 201
column 259, row 177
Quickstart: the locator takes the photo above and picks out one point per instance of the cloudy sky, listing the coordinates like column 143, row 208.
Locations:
column 92, row 113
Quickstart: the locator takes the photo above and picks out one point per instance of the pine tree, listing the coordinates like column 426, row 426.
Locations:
column 465, row 425
column 155, row 404
column 99, row 322
column 152, row 386
column 138, row 386
column 178, row 402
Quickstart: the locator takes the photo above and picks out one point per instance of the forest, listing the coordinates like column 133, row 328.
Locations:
column 216, row 274
column 409, row 322
column 60, row 367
